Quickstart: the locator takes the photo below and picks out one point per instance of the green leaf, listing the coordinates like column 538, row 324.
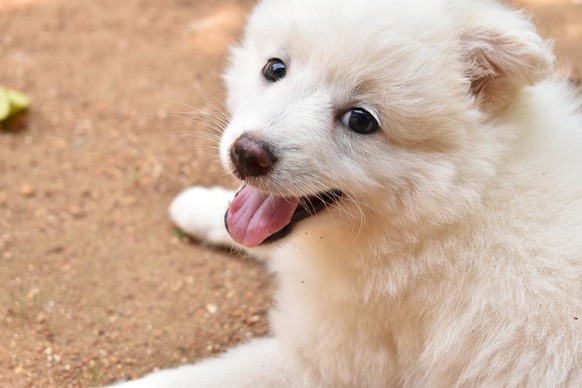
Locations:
column 19, row 102
column 4, row 104
column 12, row 103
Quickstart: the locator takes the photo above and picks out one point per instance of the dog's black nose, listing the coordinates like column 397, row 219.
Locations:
column 251, row 157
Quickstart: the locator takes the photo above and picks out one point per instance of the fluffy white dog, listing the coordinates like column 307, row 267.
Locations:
column 413, row 177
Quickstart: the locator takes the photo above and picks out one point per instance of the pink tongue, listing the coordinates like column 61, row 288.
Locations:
column 253, row 216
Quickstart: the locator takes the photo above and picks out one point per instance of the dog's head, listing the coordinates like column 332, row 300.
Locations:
column 382, row 110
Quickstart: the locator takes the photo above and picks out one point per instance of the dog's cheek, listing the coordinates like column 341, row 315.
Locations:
column 359, row 164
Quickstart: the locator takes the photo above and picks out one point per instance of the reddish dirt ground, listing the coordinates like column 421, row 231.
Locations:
column 96, row 284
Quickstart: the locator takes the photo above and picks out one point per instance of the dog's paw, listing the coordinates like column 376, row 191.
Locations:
column 199, row 212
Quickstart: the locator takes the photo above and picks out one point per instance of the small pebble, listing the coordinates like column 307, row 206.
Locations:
column 211, row 308
column 27, row 190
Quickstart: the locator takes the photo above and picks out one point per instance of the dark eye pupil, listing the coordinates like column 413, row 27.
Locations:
column 278, row 69
column 274, row 70
column 361, row 121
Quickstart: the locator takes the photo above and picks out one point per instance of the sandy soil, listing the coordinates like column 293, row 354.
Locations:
column 96, row 284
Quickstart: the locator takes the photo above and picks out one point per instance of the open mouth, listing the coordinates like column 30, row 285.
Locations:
column 254, row 218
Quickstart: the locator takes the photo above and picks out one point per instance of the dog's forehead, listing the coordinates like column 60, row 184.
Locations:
column 345, row 19
column 353, row 35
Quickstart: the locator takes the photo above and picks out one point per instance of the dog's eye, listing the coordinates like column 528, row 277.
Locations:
column 360, row 121
column 274, row 70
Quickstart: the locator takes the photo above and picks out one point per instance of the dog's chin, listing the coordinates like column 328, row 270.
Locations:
column 287, row 210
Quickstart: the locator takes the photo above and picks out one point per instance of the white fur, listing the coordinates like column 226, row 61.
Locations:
column 455, row 258
column 200, row 212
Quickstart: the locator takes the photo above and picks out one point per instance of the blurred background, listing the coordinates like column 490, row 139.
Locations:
column 95, row 283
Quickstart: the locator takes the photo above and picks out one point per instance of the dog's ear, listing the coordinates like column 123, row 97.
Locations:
column 503, row 53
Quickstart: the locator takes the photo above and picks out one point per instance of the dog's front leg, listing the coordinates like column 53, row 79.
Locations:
column 256, row 364
column 199, row 211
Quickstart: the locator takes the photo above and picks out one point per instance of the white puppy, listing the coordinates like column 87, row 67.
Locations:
column 413, row 177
